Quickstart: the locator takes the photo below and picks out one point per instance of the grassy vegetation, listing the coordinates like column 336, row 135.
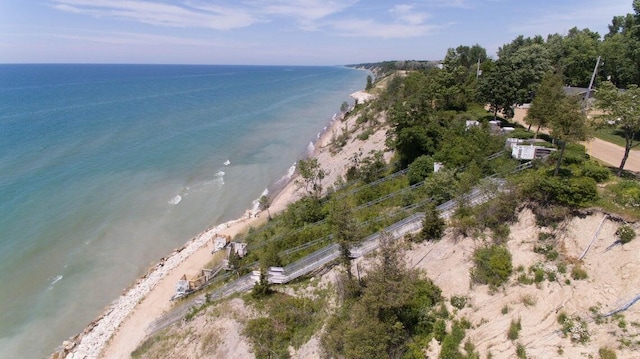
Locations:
column 616, row 137
column 514, row 329
column 286, row 321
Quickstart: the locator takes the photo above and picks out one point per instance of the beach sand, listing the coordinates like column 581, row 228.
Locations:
column 123, row 325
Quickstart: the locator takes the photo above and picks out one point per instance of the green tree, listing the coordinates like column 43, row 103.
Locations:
column 433, row 225
column 497, row 88
column 545, row 105
column 569, row 124
column 621, row 49
column 369, row 83
column 622, row 110
column 344, row 107
column 312, row 175
column 575, row 55
column 619, row 53
column 344, row 228
column 394, row 306
column 264, row 202
column 419, row 169
column 529, row 64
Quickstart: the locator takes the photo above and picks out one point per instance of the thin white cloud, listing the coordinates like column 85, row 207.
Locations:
column 307, row 13
column 465, row 4
column 408, row 14
column 404, row 21
column 558, row 19
column 304, row 9
column 130, row 38
column 400, row 21
column 371, row 28
column 155, row 13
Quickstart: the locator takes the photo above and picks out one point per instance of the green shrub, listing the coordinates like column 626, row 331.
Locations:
column 577, row 192
column 451, row 342
column 550, row 215
column 492, row 265
column 595, row 171
column 574, row 154
column 574, row 327
column 420, row 169
column 501, row 233
column 606, row 353
column 626, row 193
column 547, row 249
column 520, row 351
column 521, row 133
column 289, row 321
column 498, row 212
column 543, row 236
column 459, row 301
column 439, row 330
column 464, row 223
column 433, row 225
column 538, row 275
column 572, row 192
column 551, row 276
column 364, row 135
column 562, row 268
column 514, row 329
column 626, row 233
column 525, row 279
column 578, row 273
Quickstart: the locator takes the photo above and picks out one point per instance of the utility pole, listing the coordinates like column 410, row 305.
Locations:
column 593, row 77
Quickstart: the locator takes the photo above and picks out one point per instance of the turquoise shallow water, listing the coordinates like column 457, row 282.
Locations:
column 106, row 168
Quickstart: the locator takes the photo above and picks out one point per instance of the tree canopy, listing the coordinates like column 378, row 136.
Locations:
column 621, row 109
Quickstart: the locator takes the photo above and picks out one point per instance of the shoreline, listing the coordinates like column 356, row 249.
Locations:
column 122, row 326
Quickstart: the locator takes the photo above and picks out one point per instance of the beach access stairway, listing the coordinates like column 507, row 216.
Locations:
column 326, row 255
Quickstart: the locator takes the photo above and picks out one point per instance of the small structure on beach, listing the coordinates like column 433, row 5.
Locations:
column 220, row 242
column 238, row 248
column 235, row 251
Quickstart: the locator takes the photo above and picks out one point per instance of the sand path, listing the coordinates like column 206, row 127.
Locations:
column 604, row 151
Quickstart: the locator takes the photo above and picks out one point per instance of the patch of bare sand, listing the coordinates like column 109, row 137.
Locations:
column 215, row 333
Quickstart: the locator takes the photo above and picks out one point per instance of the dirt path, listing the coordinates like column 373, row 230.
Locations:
column 604, row 151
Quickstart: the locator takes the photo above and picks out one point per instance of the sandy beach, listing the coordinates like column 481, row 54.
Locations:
column 123, row 325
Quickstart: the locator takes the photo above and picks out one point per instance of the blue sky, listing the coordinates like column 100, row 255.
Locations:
column 286, row 32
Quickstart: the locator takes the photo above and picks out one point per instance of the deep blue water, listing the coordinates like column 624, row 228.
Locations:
column 106, row 168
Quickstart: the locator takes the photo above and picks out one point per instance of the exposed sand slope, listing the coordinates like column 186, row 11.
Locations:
column 613, row 279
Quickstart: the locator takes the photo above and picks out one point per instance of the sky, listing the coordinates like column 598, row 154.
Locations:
column 279, row 32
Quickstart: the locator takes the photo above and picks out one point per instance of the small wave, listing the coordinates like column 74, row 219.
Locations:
column 226, row 163
column 175, row 200
column 311, row 147
column 286, row 178
column 220, row 174
column 55, row 280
